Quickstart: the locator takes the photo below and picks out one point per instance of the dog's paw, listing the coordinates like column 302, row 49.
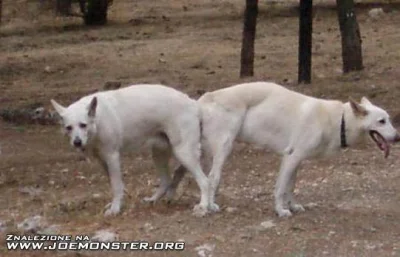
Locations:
column 213, row 207
column 296, row 207
column 283, row 213
column 200, row 210
column 170, row 194
column 150, row 199
column 112, row 209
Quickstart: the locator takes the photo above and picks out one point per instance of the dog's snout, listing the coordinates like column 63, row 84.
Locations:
column 77, row 142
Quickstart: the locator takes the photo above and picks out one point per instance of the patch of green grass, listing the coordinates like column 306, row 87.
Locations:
column 20, row 129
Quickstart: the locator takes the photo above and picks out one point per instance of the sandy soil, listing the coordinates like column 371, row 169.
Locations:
column 353, row 199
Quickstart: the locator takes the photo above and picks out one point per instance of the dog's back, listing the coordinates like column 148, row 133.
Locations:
column 128, row 113
column 265, row 113
column 248, row 95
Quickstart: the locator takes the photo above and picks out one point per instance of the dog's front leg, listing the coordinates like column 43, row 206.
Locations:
column 117, row 186
column 294, row 206
column 286, row 172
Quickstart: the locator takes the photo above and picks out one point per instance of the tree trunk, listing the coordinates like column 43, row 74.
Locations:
column 82, row 7
column 1, row 10
column 63, row 7
column 249, row 34
column 350, row 33
column 96, row 12
column 305, row 41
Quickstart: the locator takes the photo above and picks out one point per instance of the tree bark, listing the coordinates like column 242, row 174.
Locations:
column 96, row 12
column 1, row 10
column 82, row 7
column 350, row 33
column 305, row 41
column 248, row 38
column 64, row 7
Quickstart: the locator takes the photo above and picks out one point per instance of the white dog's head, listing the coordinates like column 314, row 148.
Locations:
column 376, row 122
column 78, row 121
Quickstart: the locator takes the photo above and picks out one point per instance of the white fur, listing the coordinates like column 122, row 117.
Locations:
column 106, row 122
column 292, row 124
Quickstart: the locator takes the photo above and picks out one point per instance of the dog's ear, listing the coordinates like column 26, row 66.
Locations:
column 58, row 107
column 92, row 107
column 365, row 101
column 357, row 108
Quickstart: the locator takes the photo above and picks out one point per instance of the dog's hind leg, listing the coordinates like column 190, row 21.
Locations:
column 286, row 176
column 220, row 130
column 112, row 161
column 221, row 150
column 161, row 153
column 187, row 152
column 179, row 173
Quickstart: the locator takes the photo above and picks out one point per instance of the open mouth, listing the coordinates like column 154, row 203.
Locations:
column 380, row 142
column 80, row 148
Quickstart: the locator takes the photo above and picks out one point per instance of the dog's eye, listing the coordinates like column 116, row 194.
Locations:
column 382, row 121
column 68, row 128
column 82, row 125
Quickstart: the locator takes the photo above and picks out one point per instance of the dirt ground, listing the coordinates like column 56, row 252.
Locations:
column 352, row 200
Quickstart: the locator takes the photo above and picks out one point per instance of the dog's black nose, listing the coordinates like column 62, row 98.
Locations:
column 77, row 142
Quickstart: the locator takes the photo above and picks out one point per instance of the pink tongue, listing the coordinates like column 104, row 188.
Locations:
column 383, row 145
column 386, row 150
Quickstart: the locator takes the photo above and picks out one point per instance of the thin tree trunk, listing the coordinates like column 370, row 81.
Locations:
column 1, row 10
column 249, row 34
column 96, row 12
column 64, row 7
column 82, row 7
column 305, row 41
column 350, row 33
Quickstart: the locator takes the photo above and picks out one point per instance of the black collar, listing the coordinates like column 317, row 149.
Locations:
column 343, row 142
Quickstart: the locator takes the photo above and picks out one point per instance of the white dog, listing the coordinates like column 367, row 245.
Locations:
column 292, row 124
column 105, row 122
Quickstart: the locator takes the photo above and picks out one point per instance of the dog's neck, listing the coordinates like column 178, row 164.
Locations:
column 350, row 127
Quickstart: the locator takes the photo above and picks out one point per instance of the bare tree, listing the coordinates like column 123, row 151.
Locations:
column 82, row 6
column 249, row 34
column 1, row 10
column 96, row 12
column 305, row 41
column 351, row 39
column 64, row 7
